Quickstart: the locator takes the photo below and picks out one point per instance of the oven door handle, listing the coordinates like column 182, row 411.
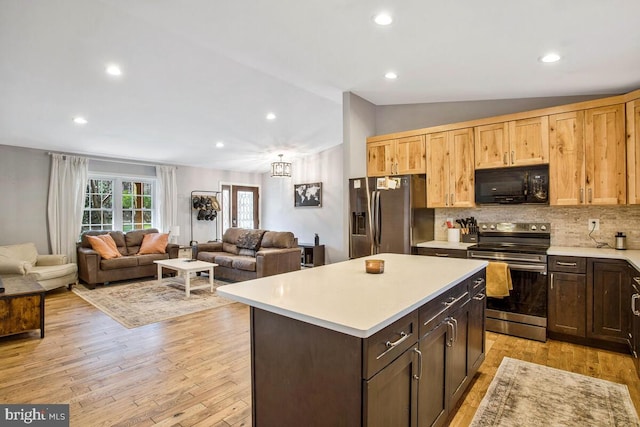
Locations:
column 503, row 258
column 536, row 268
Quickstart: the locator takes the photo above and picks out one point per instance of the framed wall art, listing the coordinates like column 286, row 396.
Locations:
column 307, row 194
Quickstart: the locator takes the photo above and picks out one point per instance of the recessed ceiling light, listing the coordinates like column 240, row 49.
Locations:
column 271, row 116
column 550, row 57
column 79, row 120
column 383, row 19
column 113, row 70
column 219, row 144
column 391, row 75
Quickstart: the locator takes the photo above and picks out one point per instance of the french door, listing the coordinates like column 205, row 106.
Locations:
column 240, row 206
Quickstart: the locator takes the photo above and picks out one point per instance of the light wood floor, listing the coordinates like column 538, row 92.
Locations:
column 195, row 371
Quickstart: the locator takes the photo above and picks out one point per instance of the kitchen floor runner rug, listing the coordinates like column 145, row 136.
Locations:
column 524, row 394
column 135, row 304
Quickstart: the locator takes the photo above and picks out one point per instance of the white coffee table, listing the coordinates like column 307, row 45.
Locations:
column 186, row 267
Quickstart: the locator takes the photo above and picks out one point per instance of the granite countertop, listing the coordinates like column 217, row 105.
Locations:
column 344, row 298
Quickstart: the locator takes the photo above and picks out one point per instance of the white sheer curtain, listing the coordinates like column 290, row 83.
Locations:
column 167, row 197
column 67, row 187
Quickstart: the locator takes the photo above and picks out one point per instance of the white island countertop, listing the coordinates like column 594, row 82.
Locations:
column 344, row 298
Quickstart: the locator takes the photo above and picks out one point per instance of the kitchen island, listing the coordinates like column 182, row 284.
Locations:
column 334, row 346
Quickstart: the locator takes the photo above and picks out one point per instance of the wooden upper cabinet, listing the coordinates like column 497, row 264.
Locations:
column 587, row 157
column 514, row 143
column 491, row 146
column 566, row 165
column 401, row 156
column 450, row 172
column 633, row 151
column 529, row 141
column 380, row 158
column 605, row 161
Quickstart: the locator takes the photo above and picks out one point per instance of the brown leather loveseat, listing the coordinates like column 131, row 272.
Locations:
column 247, row 254
column 93, row 269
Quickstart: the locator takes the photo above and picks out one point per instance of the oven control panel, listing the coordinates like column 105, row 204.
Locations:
column 515, row 227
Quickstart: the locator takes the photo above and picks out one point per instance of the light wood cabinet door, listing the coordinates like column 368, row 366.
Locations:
column 566, row 165
column 605, row 162
column 411, row 155
column 529, row 141
column 450, row 169
column 380, row 158
column 633, row 151
column 438, row 170
column 461, row 170
column 491, row 146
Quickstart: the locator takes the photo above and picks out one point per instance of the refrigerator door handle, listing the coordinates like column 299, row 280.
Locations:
column 379, row 217
column 374, row 221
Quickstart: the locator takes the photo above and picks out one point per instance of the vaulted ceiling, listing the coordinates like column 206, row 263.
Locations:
column 198, row 72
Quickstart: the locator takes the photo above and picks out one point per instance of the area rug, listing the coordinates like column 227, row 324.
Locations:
column 137, row 304
column 527, row 394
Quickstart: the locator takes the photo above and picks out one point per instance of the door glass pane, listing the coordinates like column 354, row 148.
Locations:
column 226, row 209
column 245, row 209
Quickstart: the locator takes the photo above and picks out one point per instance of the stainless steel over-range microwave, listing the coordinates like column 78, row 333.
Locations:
column 527, row 184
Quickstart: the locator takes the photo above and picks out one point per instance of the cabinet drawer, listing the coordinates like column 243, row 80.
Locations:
column 383, row 347
column 440, row 307
column 568, row 264
column 446, row 253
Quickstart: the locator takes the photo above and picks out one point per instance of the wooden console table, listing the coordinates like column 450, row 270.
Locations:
column 311, row 255
column 21, row 306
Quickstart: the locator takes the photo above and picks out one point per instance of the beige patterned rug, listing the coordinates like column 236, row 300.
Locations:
column 135, row 304
column 527, row 394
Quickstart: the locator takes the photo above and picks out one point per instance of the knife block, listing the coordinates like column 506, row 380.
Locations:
column 470, row 238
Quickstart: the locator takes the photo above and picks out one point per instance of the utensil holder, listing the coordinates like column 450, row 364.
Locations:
column 453, row 235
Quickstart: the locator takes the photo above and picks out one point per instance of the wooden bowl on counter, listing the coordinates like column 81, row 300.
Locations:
column 374, row 266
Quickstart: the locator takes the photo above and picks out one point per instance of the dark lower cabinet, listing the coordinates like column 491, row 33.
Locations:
column 567, row 303
column 391, row 396
column 457, row 357
column 608, row 314
column 433, row 410
column 476, row 341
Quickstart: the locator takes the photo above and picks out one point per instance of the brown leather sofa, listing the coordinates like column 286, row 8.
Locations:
column 247, row 254
column 93, row 270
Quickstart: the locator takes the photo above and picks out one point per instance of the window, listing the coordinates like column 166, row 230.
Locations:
column 118, row 204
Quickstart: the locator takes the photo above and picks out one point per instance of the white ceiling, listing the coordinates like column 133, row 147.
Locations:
column 201, row 71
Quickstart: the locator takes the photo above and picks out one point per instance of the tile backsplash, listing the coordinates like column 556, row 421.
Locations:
column 569, row 225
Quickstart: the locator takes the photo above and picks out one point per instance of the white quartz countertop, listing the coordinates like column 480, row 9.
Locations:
column 632, row 256
column 344, row 298
column 443, row 244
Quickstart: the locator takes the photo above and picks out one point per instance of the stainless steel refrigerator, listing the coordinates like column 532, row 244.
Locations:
column 387, row 219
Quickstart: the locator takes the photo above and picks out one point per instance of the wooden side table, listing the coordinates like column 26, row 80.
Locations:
column 21, row 306
column 312, row 255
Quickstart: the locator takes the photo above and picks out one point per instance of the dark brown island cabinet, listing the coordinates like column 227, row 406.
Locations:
column 411, row 373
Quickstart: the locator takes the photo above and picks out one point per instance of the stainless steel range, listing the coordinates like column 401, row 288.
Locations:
column 523, row 246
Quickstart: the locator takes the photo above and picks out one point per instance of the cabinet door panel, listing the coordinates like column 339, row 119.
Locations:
column 458, row 363
column 529, row 141
column 633, row 151
column 437, row 170
column 432, row 408
column 461, row 170
column 567, row 304
column 605, row 155
column 391, row 396
column 411, row 155
column 566, row 163
column 608, row 315
column 476, row 348
column 380, row 158
column 491, row 146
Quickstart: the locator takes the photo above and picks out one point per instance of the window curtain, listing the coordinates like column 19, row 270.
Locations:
column 65, row 207
column 167, row 197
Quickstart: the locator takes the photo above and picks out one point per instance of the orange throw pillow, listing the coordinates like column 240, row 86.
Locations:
column 105, row 246
column 154, row 243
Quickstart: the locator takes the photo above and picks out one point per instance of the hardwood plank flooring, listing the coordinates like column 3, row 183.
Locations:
column 195, row 370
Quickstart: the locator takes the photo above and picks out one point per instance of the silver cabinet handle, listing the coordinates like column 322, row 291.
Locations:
column 391, row 345
column 452, row 199
column 455, row 300
column 590, row 194
column 478, row 282
column 441, row 254
column 551, row 282
column 567, row 264
column 446, row 199
column 417, row 377
column 513, row 155
column 504, row 158
column 581, row 195
column 450, row 324
column 455, row 329
column 479, row 297
column 637, row 280
column 634, row 298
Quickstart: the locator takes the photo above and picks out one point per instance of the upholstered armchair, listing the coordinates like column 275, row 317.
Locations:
column 51, row 271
